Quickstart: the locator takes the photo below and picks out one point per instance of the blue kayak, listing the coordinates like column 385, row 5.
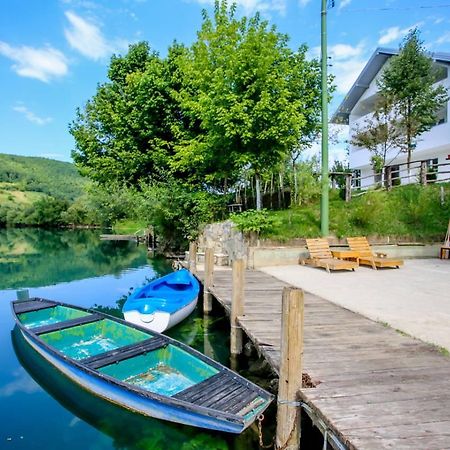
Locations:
column 164, row 302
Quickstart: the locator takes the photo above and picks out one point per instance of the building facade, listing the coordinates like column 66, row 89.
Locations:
column 431, row 149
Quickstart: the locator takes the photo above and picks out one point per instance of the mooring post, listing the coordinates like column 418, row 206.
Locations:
column 237, row 305
column 209, row 276
column 192, row 263
column 290, row 380
column 23, row 295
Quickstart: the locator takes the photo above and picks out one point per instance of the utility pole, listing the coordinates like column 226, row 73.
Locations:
column 324, row 201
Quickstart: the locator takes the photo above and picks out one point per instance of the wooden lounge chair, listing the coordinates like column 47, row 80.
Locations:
column 368, row 257
column 321, row 256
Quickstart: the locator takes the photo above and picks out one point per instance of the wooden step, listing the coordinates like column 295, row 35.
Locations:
column 222, row 391
column 125, row 352
column 58, row 326
column 32, row 305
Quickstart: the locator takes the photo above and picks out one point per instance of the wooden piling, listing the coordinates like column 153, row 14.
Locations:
column 23, row 295
column 237, row 305
column 209, row 276
column 192, row 263
column 290, row 379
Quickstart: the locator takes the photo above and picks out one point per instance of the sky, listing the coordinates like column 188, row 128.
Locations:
column 54, row 53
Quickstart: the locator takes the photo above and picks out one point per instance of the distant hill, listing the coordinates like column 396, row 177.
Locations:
column 28, row 175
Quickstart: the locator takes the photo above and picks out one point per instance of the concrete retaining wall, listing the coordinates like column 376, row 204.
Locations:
column 278, row 256
column 229, row 243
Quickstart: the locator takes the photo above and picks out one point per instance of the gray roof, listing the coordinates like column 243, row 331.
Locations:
column 375, row 63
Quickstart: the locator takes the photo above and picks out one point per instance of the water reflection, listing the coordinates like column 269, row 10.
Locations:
column 35, row 257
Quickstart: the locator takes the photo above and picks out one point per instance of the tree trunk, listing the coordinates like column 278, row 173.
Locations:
column 258, row 192
column 295, row 187
column 271, row 191
column 280, row 192
column 409, row 141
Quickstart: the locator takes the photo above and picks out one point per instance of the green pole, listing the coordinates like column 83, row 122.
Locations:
column 324, row 203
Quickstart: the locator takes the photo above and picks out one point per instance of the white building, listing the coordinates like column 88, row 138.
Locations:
column 432, row 147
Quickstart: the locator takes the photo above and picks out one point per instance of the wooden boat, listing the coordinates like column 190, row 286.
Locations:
column 163, row 303
column 143, row 371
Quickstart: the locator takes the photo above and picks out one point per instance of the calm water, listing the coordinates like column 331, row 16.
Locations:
column 39, row 408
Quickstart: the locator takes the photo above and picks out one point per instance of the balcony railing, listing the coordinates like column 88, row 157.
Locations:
column 417, row 172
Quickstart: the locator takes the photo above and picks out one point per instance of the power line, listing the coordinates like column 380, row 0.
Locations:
column 390, row 8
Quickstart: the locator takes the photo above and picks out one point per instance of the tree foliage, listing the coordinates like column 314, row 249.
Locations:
column 124, row 133
column 186, row 129
column 408, row 84
column 255, row 97
column 380, row 133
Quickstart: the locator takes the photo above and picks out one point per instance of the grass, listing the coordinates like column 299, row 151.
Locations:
column 128, row 226
column 411, row 212
column 14, row 197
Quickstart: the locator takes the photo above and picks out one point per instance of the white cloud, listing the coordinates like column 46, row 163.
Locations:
column 444, row 39
column 346, row 73
column 251, row 6
column 43, row 64
column 31, row 116
column 394, row 33
column 346, row 62
column 86, row 38
column 344, row 3
column 345, row 51
column 21, row 383
column 304, row 2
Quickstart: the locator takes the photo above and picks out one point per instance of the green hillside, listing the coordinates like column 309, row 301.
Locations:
column 22, row 175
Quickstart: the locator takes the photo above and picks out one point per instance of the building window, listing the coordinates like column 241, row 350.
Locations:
column 441, row 115
column 395, row 175
column 440, row 72
column 432, row 169
column 356, row 178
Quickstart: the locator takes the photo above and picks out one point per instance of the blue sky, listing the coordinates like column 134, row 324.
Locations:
column 53, row 53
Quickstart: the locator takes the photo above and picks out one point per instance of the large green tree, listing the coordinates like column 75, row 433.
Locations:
column 125, row 133
column 408, row 84
column 255, row 98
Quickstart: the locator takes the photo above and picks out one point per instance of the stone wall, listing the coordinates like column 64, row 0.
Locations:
column 228, row 242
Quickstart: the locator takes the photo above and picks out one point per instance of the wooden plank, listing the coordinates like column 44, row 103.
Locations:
column 32, row 305
column 377, row 389
column 203, row 388
column 123, row 353
column 58, row 326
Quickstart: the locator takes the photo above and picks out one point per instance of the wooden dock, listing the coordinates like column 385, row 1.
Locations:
column 375, row 388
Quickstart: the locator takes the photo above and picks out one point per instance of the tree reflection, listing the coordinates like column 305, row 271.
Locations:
column 36, row 257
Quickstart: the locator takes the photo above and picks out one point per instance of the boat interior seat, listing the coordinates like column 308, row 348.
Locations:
column 151, row 304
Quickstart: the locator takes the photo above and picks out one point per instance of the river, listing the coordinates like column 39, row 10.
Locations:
column 42, row 410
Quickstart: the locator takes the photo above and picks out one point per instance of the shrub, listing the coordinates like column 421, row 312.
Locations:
column 253, row 221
